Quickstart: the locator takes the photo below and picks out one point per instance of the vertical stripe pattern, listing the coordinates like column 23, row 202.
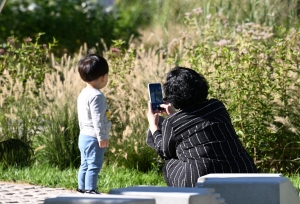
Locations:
column 197, row 141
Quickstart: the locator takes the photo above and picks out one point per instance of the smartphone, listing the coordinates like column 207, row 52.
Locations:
column 155, row 95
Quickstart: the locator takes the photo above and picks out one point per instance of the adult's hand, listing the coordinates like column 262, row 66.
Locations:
column 168, row 108
column 153, row 119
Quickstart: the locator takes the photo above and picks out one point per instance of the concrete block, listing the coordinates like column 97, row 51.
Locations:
column 251, row 188
column 98, row 199
column 173, row 195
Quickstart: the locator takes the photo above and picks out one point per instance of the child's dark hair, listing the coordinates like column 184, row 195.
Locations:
column 91, row 67
column 185, row 87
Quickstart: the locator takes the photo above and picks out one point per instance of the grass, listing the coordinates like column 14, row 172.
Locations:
column 295, row 179
column 110, row 177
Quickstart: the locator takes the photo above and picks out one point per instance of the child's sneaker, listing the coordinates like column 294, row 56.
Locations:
column 92, row 192
column 80, row 190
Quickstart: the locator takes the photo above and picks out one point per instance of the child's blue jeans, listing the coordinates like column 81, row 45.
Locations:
column 91, row 162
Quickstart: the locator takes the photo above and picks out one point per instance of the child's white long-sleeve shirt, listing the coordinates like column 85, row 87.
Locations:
column 93, row 114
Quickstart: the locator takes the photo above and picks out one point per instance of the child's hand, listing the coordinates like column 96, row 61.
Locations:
column 103, row 143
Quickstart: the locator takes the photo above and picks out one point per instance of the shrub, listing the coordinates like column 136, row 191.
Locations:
column 257, row 77
column 71, row 23
column 18, row 126
column 57, row 143
column 25, row 60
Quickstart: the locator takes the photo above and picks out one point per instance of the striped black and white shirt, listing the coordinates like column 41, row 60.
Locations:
column 197, row 141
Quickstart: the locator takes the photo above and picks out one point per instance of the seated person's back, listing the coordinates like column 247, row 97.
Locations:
column 198, row 139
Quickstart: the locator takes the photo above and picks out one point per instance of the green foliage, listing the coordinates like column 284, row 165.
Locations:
column 277, row 13
column 131, row 151
column 135, row 12
column 23, row 66
column 126, row 132
column 57, row 144
column 257, row 77
column 18, row 128
column 111, row 177
column 27, row 59
column 71, row 23
column 254, row 73
column 295, row 179
column 15, row 123
column 15, row 153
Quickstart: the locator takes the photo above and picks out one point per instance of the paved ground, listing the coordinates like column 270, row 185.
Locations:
column 26, row 193
column 29, row 194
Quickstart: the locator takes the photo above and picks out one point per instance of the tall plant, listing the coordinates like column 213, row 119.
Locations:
column 18, row 127
column 126, row 99
column 256, row 76
column 57, row 143
column 23, row 66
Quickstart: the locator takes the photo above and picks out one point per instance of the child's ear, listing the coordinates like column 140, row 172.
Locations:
column 102, row 78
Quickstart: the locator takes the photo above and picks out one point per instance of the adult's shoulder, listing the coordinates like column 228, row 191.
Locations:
column 207, row 108
column 212, row 106
column 215, row 103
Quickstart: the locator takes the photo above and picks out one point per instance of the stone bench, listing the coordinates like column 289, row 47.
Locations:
column 98, row 199
column 173, row 195
column 251, row 188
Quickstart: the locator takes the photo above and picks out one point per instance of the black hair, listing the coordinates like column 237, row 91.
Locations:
column 91, row 67
column 185, row 87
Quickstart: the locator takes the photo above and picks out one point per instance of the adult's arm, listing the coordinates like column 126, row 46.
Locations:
column 164, row 142
column 150, row 139
column 163, row 139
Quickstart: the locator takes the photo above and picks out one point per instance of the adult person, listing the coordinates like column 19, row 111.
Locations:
column 199, row 138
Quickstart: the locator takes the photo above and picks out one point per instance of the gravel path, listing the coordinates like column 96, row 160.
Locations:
column 25, row 193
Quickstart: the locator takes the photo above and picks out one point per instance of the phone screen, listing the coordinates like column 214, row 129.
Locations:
column 155, row 94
